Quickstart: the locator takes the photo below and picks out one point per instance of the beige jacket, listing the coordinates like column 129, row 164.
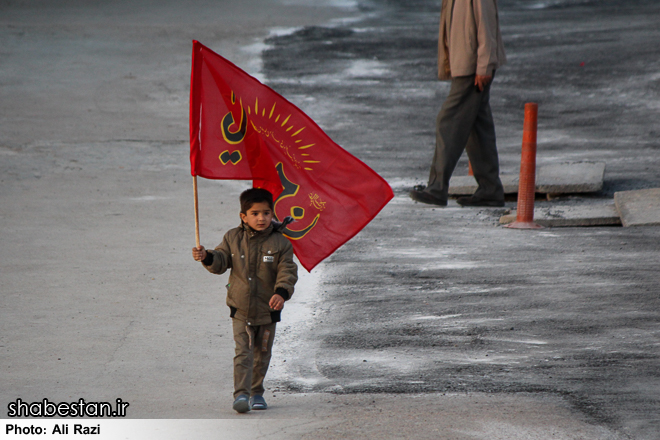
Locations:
column 260, row 262
column 469, row 41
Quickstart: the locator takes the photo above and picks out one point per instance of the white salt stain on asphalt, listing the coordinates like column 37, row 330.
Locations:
column 415, row 253
column 283, row 31
column 294, row 353
column 383, row 363
column 451, row 265
column 380, row 361
column 423, row 318
column 403, row 183
column 529, row 341
column 366, row 68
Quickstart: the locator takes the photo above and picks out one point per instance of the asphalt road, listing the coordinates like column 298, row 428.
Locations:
column 428, row 299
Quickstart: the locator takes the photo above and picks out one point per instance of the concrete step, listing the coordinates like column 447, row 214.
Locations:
column 571, row 215
column 638, row 208
column 562, row 178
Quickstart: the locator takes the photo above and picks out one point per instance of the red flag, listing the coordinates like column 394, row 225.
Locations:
column 242, row 129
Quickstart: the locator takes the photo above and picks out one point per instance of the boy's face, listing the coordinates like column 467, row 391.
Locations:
column 258, row 217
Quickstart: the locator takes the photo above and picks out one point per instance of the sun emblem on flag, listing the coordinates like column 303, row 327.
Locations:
column 288, row 137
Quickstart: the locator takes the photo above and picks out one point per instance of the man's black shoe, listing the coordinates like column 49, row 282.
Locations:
column 424, row 197
column 477, row 201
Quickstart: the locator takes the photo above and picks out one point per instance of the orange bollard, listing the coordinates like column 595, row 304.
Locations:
column 527, row 181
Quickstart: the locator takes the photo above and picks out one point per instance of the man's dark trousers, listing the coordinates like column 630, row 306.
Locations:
column 466, row 122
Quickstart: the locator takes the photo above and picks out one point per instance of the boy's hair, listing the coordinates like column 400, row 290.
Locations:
column 255, row 195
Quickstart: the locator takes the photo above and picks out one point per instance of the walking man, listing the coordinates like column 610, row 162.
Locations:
column 470, row 50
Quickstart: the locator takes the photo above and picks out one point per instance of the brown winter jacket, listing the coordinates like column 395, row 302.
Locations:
column 260, row 263
column 469, row 41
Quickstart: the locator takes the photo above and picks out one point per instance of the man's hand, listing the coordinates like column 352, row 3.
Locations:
column 199, row 253
column 276, row 302
column 481, row 81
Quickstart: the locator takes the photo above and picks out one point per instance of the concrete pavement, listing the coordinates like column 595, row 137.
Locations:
column 639, row 208
column 554, row 179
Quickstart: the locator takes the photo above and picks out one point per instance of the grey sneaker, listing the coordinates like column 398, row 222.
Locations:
column 242, row 404
column 257, row 402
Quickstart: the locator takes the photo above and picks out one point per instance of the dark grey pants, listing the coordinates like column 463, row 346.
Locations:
column 466, row 122
column 253, row 347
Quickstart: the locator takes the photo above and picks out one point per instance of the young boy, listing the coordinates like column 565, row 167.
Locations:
column 262, row 277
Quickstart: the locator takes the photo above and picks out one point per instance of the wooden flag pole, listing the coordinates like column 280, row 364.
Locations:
column 196, row 211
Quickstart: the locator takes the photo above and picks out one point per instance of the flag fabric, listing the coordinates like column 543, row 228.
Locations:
column 242, row 129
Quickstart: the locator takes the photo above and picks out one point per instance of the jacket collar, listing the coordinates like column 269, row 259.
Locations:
column 253, row 233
